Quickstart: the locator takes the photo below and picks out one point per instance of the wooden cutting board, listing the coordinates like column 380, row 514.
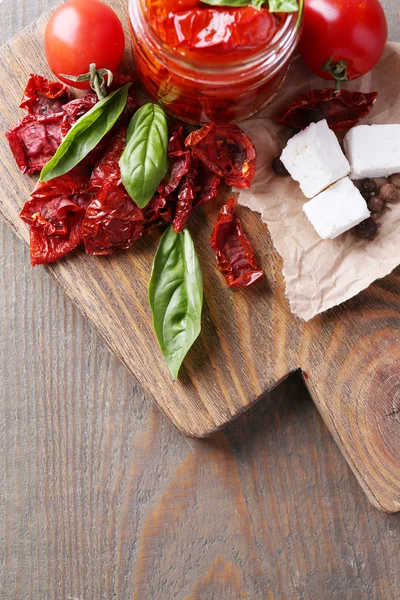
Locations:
column 350, row 357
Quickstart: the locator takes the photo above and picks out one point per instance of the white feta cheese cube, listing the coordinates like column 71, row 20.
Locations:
column 373, row 150
column 337, row 209
column 315, row 159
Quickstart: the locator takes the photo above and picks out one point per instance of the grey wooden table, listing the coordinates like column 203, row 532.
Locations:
column 101, row 498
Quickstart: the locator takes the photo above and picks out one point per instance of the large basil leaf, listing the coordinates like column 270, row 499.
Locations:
column 273, row 5
column 144, row 162
column 176, row 296
column 85, row 134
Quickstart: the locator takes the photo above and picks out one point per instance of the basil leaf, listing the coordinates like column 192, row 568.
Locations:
column 144, row 162
column 85, row 134
column 273, row 5
column 176, row 296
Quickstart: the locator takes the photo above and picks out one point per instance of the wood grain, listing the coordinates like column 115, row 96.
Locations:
column 267, row 509
column 235, row 360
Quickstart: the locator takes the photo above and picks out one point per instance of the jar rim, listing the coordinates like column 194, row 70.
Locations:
column 284, row 36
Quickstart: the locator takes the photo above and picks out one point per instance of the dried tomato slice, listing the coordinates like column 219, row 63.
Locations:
column 179, row 166
column 43, row 97
column 176, row 143
column 112, row 221
column 159, row 211
column 199, row 186
column 207, row 185
column 186, row 197
column 107, row 169
column 55, row 213
column 48, row 248
column 180, row 162
column 227, row 151
column 342, row 109
column 75, row 109
column 235, row 256
column 34, row 141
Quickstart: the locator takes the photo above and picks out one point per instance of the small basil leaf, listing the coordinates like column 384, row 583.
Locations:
column 85, row 134
column 144, row 162
column 176, row 296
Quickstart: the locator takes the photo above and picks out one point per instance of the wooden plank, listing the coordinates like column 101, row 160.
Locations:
column 249, row 340
column 102, row 498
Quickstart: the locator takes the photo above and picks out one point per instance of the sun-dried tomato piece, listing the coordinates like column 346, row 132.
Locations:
column 179, row 166
column 227, row 151
column 186, row 197
column 73, row 182
column 159, row 211
column 235, row 256
column 199, row 186
column 207, row 185
column 55, row 213
column 107, row 169
column 43, row 97
column 112, row 221
column 176, row 143
column 342, row 109
column 34, row 141
column 48, row 248
column 179, row 163
column 75, row 109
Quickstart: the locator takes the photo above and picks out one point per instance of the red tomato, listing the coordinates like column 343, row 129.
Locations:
column 81, row 32
column 354, row 31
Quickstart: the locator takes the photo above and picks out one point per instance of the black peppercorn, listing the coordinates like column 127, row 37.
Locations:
column 368, row 188
column 389, row 193
column 376, row 204
column 366, row 230
column 279, row 168
column 395, row 180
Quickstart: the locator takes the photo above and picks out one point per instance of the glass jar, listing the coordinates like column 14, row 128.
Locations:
column 225, row 92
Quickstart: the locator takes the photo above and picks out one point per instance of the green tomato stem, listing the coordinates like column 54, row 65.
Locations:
column 96, row 78
column 338, row 70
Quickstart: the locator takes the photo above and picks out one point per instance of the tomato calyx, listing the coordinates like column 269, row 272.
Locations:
column 96, row 78
column 338, row 70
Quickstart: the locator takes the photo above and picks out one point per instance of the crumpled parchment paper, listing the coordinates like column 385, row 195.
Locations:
column 319, row 273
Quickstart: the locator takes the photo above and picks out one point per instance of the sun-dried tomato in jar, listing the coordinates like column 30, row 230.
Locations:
column 205, row 63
